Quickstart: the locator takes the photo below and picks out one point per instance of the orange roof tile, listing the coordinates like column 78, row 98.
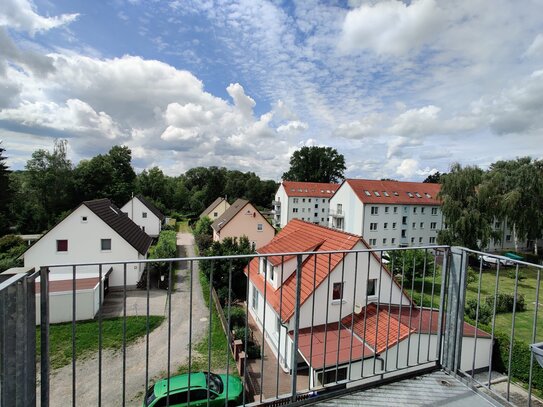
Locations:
column 395, row 192
column 311, row 189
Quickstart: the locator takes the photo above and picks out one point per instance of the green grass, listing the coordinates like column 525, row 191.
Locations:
column 506, row 284
column 219, row 343
column 183, row 226
column 60, row 337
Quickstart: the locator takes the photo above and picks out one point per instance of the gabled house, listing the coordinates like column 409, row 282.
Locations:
column 96, row 231
column 216, row 209
column 243, row 219
column 351, row 310
column 144, row 214
column 307, row 201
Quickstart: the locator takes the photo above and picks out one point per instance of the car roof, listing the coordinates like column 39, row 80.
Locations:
column 181, row 382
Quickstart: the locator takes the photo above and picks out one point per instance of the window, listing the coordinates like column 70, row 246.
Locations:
column 404, row 220
column 508, row 238
column 339, row 209
column 277, row 324
column 422, row 210
column 412, row 240
column 84, row 219
column 385, row 225
column 322, row 210
column 260, row 227
column 433, row 225
column 303, row 199
column 422, row 225
column 404, row 233
column 393, row 240
column 373, row 226
column 303, row 209
column 374, row 210
column 144, row 215
column 386, row 209
column 322, row 219
column 418, row 195
column 414, row 225
column 384, row 240
column 309, row 200
column 367, row 193
column 272, row 273
column 294, row 210
column 373, row 242
column 316, row 215
column 395, row 209
column 385, row 193
column 434, row 211
column 371, row 287
column 105, row 244
column 432, row 239
column 410, row 195
column 414, row 209
column 62, row 245
column 215, row 214
column 394, row 225
column 330, row 376
column 377, row 193
column 255, row 299
column 405, row 209
column 420, row 239
column 337, row 291
column 316, row 206
column 294, row 200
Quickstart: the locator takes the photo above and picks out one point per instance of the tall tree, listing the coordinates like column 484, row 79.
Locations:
column 469, row 222
column 316, row 164
column 124, row 177
column 5, row 195
column 434, row 178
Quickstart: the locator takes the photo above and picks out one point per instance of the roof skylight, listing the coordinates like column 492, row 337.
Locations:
column 385, row 193
column 376, row 193
column 367, row 192
column 418, row 195
column 410, row 195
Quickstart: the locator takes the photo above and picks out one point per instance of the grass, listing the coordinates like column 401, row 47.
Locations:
column 220, row 352
column 60, row 337
column 506, row 284
column 183, row 226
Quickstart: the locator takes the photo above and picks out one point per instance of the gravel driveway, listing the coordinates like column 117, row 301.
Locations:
column 112, row 361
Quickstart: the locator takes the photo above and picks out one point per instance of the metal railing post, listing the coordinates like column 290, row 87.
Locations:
column 296, row 327
column 44, row 338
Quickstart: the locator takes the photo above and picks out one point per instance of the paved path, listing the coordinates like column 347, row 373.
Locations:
column 112, row 367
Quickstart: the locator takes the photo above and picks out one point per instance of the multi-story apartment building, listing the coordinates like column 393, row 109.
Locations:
column 308, row 201
column 388, row 213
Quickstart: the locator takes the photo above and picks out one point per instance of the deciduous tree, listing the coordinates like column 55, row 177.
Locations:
column 316, row 164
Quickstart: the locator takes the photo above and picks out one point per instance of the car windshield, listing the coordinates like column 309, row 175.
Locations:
column 150, row 396
column 214, row 382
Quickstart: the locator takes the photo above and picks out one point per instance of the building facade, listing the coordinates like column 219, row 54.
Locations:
column 388, row 213
column 307, row 201
column 216, row 208
column 144, row 214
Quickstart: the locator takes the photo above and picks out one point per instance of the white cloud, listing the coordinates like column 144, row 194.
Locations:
column 189, row 115
column 417, row 122
column 359, row 129
column 293, row 127
column 21, row 15
column 536, row 47
column 409, row 168
column 391, row 27
column 243, row 102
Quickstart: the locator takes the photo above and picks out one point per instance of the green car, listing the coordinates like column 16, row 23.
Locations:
column 200, row 383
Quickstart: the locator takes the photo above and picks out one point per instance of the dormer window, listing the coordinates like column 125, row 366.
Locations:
column 367, row 193
column 385, row 193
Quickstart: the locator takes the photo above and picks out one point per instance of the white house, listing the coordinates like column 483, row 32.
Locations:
column 388, row 213
column 308, row 201
column 340, row 333
column 144, row 214
column 216, row 209
column 96, row 231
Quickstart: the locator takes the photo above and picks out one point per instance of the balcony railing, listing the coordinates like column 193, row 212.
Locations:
column 337, row 213
column 316, row 322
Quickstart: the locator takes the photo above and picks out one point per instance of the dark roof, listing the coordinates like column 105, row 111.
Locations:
column 120, row 223
column 151, row 207
column 208, row 210
column 227, row 216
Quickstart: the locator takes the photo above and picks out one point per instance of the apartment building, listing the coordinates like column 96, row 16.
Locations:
column 308, row 201
column 388, row 213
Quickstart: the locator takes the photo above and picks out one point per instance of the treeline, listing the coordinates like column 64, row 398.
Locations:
column 35, row 199
column 509, row 193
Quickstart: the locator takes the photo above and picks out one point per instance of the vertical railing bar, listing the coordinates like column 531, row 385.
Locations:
column 509, row 374
column 191, row 272
column 496, row 285
column 378, row 310
column 124, row 334
column 442, row 295
column 263, row 344
column 229, row 335
column 366, row 315
column 432, row 307
column 389, row 308
column 44, row 337
column 296, row 326
column 421, row 306
column 210, row 327
column 459, row 328
column 534, row 331
column 339, row 325
column 477, row 317
column 352, row 315
column 74, row 317
column 246, row 333
column 280, row 326
column 312, row 311
column 147, row 331
column 169, row 330
column 400, row 309
column 100, row 295
column 411, row 310
column 326, row 317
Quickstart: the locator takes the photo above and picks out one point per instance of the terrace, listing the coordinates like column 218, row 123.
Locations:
column 450, row 342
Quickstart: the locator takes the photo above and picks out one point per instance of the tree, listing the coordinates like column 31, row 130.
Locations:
column 469, row 220
column 6, row 195
column 410, row 263
column 124, row 177
column 203, row 233
column 434, row 178
column 316, row 164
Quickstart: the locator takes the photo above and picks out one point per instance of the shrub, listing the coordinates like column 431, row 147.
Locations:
column 9, row 242
column 485, row 312
column 505, row 302
column 410, row 262
column 512, row 274
column 237, row 317
column 472, row 276
column 165, row 248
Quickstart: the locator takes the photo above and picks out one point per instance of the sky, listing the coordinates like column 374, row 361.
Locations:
column 401, row 89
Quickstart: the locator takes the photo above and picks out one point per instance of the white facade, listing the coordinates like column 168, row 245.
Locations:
column 385, row 224
column 85, row 234
column 142, row 216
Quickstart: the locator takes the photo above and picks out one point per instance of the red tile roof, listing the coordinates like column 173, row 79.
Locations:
column 395, row 192
column 311, row 189
column 311, row 344
column 56, row 286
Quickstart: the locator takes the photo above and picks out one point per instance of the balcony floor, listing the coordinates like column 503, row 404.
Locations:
column 437, row 388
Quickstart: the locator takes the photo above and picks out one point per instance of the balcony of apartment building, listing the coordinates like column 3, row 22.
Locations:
column 448, row 337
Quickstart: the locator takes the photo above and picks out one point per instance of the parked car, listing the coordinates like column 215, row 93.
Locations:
column 493, row 261
column 200, row 383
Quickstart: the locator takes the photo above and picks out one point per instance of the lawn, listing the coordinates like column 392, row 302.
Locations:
column 183, row 226
column 60, row 337
column 506, row 284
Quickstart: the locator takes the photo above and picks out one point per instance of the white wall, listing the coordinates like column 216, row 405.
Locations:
column 135, row 210
column 305, row 208
column 60, row 305
column 352, row 210
column 84, row 246
column 281, row 217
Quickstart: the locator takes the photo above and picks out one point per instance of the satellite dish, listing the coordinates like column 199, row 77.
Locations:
column 357, row 308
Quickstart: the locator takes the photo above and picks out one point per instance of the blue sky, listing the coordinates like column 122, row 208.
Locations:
column 402, row 89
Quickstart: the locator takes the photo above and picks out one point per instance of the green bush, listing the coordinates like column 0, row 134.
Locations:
column 9, row 242
column 512, row 274
column 237, row 317
column 165, row 248
column 472, row 276
column 485, row 312
column 505, row 302
column 411, row 263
